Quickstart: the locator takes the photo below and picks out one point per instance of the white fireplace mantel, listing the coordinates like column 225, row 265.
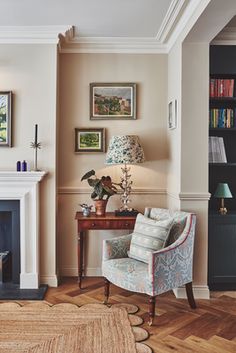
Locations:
column 24, row 186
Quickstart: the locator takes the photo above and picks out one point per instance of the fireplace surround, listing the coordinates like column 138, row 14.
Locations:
column 24, row 186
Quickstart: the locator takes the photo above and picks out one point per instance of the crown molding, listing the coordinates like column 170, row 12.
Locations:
column 226, row 37
column 127, row 45
column 171, row 16
column 73, row 43
column 192, row 12
column 32, row 34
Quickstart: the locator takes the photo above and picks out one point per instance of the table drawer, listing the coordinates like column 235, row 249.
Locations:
column 106, row 224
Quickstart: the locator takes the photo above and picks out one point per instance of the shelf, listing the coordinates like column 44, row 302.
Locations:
column 223, row 76
column 222, row 164
column 223, row 99
column 225, row 129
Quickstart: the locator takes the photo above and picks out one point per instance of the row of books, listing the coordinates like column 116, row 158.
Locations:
column 221, row 87
column 217, row 150
column 224, row 118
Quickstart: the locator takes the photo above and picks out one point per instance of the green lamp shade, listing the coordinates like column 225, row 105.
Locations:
column 223, row 191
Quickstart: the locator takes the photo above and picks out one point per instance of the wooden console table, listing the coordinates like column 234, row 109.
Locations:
column 109, row 221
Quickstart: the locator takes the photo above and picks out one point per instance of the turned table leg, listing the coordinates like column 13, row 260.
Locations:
column 80, row 257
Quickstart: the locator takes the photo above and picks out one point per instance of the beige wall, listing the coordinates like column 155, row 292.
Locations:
column 174, row 136
column 194, row 152
column 30, row 72
column 76, row 72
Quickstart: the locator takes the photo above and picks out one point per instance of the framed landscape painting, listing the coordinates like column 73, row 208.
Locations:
column 5, row 118
column 89, row 140
column 112, row 101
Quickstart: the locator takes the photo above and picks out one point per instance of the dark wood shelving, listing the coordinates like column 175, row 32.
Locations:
column 223, row 99
column 223, row 164
column 222, row 129
column 222, row 229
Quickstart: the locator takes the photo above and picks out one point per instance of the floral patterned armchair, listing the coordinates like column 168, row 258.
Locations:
column 168, row 268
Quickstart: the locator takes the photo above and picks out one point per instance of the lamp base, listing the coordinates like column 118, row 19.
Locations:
column 223, row 210
column 126, row 213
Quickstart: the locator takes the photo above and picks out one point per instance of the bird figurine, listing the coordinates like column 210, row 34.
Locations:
column 86, row 209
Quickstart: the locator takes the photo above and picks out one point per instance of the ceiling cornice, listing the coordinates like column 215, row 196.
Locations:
column 192, row 12
column 31, row 34
column 126, row 45
column 226, row 37
column 177, row 16
column 72, row 43
column 169, row 20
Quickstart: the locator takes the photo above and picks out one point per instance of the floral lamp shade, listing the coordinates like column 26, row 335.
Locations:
column 125, row 149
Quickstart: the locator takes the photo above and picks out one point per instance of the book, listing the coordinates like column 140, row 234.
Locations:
column 216, row 150
column 220, row 88
column 222, row 118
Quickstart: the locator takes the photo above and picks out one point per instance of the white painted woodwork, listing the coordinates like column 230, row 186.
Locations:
column 24, row 186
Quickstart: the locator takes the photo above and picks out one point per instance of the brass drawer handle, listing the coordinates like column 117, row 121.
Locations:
column 126, row 224
column 93, row 224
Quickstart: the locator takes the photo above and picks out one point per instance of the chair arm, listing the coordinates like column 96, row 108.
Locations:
column 116, row 248
column 172, row 266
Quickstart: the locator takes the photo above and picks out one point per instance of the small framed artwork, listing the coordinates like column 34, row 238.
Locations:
column 112, row 101
column 172, row 114
column 89, row 140
column 5, row 118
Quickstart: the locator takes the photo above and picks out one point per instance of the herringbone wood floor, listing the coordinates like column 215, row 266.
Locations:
column 177, row 328
column 211, row 328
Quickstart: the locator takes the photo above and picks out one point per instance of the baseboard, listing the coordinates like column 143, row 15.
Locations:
column 51, row 281
column 73, row 272
column 200, row 292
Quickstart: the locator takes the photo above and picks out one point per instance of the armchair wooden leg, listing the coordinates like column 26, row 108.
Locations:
column 152, row 302
column 106, row 291
column 189, row 291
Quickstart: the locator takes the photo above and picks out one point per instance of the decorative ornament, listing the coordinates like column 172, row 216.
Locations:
column 36, row 145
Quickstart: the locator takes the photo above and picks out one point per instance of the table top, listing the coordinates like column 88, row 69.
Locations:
column 108, row 215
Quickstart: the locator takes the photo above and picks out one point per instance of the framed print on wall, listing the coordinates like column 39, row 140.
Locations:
column 89, row 140
column 5, row 118
column 172, row 114
column 112, row 101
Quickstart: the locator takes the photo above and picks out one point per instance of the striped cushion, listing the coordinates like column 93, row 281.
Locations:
column 149, row 235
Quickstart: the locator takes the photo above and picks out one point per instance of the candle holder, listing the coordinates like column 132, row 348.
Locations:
column 36, row 146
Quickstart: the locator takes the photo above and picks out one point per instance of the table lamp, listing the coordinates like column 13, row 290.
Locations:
column 223, row 192
column 125, row 149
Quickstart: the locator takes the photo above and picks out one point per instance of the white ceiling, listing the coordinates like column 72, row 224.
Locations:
column 91, row 18
column 124, row 26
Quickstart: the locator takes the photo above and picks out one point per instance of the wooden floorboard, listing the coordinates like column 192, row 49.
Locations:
column 211, row 328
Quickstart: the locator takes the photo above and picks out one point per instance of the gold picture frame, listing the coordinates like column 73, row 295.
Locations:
column 112, row 101
column 90, row 140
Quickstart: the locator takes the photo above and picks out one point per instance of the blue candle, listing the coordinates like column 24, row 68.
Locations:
column 18, row 166
column 36, row 134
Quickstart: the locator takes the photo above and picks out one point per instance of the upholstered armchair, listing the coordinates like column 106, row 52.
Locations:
column 166, row 269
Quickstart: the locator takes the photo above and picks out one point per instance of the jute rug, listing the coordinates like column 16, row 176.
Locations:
column 66, row 328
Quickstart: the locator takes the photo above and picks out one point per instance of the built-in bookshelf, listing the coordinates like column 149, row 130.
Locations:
column 222, row 121
column 222, row 166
